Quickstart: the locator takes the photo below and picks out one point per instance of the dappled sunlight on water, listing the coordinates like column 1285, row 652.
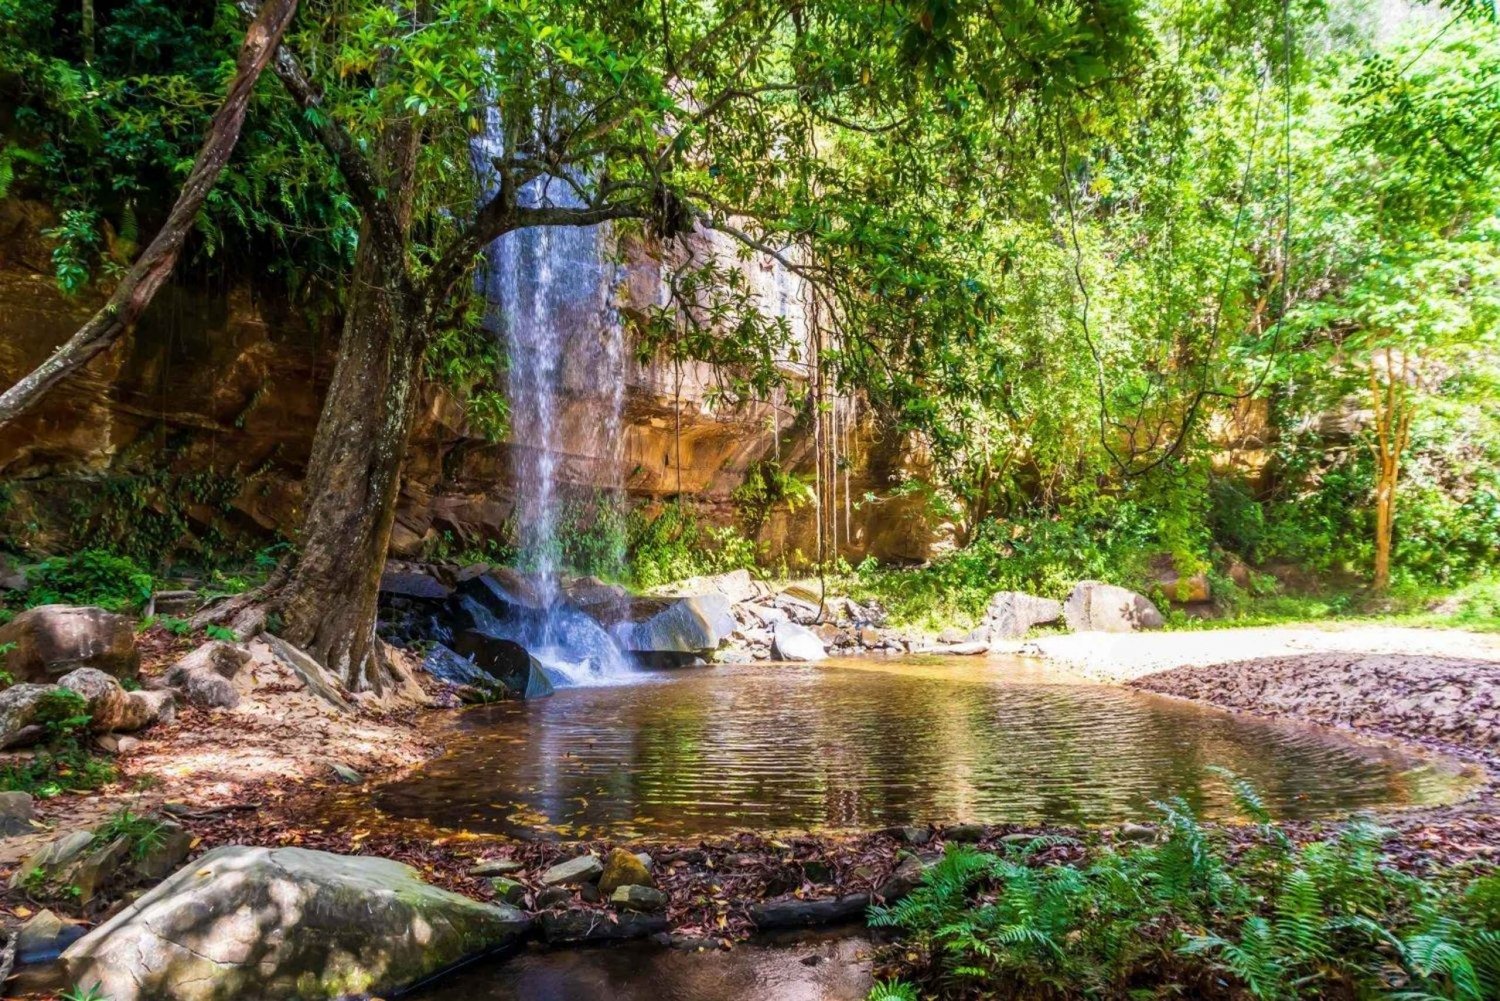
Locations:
column 864, row 744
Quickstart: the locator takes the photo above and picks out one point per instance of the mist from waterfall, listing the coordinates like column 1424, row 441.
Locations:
column 548, row 291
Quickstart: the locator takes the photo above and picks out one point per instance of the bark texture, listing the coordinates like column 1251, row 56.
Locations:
column 135, row 291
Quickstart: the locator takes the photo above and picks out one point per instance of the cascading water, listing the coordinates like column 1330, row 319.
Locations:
column 548, row 289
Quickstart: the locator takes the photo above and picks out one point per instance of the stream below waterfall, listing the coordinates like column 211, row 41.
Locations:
column 861, row 744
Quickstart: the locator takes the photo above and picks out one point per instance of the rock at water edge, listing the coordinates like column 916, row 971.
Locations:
column 278, row 924
column 789, row 641
column 1097, row 607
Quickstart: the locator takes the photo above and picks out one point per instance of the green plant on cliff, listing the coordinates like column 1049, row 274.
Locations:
column 1196, row 912
column 90, row 577
column 675, row 544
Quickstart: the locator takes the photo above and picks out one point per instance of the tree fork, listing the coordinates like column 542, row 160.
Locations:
column 155, row 265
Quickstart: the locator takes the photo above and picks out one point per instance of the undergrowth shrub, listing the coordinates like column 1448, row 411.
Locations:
column 675, row 544
column 90, row 577
column 1194, row 916
column 62, row 763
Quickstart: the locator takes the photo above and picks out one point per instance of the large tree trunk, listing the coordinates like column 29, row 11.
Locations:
column 328, row 603
column 154, row 266
column 323, row 600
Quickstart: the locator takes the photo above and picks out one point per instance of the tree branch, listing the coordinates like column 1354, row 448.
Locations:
column 356, row 170
column 156, row 263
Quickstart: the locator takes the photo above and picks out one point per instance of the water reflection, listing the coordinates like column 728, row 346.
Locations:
column 865, row 744
column 828, row 966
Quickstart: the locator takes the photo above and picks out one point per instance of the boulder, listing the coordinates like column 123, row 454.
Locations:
column 147, row 707
column 52, row 640
column 578, row 924
column 507, row 890
column 1097, row 607
column 496, row 867
column 207, row 675
column 789, row 641
column 285, row 923
column 44, row 936
column 19, row 705
column 736, row 586
column 53, row 857
column 694, row 624
column 413, row 584
column 103, row 693
column 163, row 853
column 1011, row 615
column 505, row 668
column 1179, row 590
column 96, row 870
column 621, row 868
column 647, row 899
column 793, row 913
column 16, row 813
column 964, row 833
column 583, row 869
column 113, row 708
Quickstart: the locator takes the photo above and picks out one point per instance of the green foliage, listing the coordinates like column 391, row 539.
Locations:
column 107, row 141
column 766, row 485
column 674, row 545
column 63, row 762
column 90, row 577
column 93, row 993
column 1271, row 920
column 143, row 834
column 1111, row 540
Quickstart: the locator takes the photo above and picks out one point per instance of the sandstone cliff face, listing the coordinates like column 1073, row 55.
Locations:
column 198, row 427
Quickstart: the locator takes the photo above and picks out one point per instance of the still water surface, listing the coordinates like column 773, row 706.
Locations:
column 812, row 966
column 861, row 744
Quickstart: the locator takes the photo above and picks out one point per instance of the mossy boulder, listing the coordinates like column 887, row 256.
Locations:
column 283, row 923
column 621, row 868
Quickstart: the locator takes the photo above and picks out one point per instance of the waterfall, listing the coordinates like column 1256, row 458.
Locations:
column 548, row 291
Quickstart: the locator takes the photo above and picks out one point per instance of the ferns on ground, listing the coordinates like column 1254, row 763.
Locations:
column 1194, row 915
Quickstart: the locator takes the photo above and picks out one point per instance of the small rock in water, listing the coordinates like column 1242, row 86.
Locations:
column 1136, row 832
column 913, row 835
column 583, row 869
column 345, row 774
column 589, row 893
column 496, row 867
column 622, row 868
column 966, row 833
column 793, row 642
column 580, row 925
column 507, row 890
column 639, row 898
